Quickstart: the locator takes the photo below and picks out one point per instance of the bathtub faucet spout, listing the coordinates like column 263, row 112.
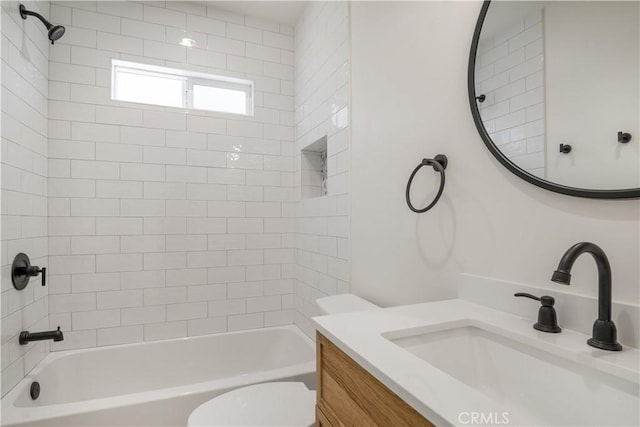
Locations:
column 27, row 337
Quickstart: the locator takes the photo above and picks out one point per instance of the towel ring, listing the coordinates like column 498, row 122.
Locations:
column 439, row 164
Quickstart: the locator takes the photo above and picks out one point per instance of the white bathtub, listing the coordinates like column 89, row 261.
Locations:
column 157, row 383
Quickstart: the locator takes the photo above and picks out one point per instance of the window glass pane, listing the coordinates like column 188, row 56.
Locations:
column 152, row 84
column 149, row 89
column 219, row 99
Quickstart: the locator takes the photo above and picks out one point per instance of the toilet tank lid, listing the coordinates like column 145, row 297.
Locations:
column 344, row 303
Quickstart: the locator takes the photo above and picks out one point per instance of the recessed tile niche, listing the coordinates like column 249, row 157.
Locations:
column 314, row 169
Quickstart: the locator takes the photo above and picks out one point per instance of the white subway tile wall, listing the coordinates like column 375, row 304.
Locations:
column 25, row 53
column 510, row 74
column 167, row 223
column 321, row 109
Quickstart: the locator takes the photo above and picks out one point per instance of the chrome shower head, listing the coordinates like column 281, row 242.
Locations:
column 55, row 31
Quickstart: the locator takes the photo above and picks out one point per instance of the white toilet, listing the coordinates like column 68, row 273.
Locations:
column 277, row 403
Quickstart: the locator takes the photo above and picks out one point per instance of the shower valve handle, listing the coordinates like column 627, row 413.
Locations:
column 22, row 271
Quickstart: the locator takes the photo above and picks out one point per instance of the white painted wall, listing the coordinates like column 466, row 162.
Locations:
column 592, row 70
column 25, row 52
column 168, row 223
column 322, row 110
column 409, row 101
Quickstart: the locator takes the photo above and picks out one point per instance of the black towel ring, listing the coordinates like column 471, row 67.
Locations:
column 439, row 164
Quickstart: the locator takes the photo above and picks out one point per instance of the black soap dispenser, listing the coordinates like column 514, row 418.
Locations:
column 547, row 318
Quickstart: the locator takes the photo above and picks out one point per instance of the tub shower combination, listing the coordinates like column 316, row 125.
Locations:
column 157, row 383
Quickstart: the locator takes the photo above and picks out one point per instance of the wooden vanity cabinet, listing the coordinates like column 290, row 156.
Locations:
column 350, row 396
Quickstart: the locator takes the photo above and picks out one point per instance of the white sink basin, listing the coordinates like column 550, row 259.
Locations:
column 530, row 385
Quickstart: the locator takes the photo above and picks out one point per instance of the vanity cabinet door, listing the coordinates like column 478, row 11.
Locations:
column 349, row 396
column 321, row 419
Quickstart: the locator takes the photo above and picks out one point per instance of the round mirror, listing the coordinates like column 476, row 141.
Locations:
column 554, row 91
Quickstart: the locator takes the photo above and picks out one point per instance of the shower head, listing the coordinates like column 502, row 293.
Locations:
column 55, row 31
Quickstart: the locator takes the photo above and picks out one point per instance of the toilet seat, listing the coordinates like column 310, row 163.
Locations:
column 269, row 404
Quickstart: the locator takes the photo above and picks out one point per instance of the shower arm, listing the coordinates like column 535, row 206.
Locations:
column 24, row 12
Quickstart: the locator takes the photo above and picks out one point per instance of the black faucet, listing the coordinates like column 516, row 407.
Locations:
column 27, row 337
column 605, row 335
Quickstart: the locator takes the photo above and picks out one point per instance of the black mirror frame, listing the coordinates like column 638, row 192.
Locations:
column 629, row 193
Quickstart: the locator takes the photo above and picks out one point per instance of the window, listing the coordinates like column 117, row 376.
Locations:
column 170, row 87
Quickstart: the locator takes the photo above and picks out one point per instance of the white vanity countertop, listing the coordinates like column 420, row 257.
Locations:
column 436, row 395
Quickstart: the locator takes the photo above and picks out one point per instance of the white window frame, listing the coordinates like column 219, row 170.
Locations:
column 189, row 79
